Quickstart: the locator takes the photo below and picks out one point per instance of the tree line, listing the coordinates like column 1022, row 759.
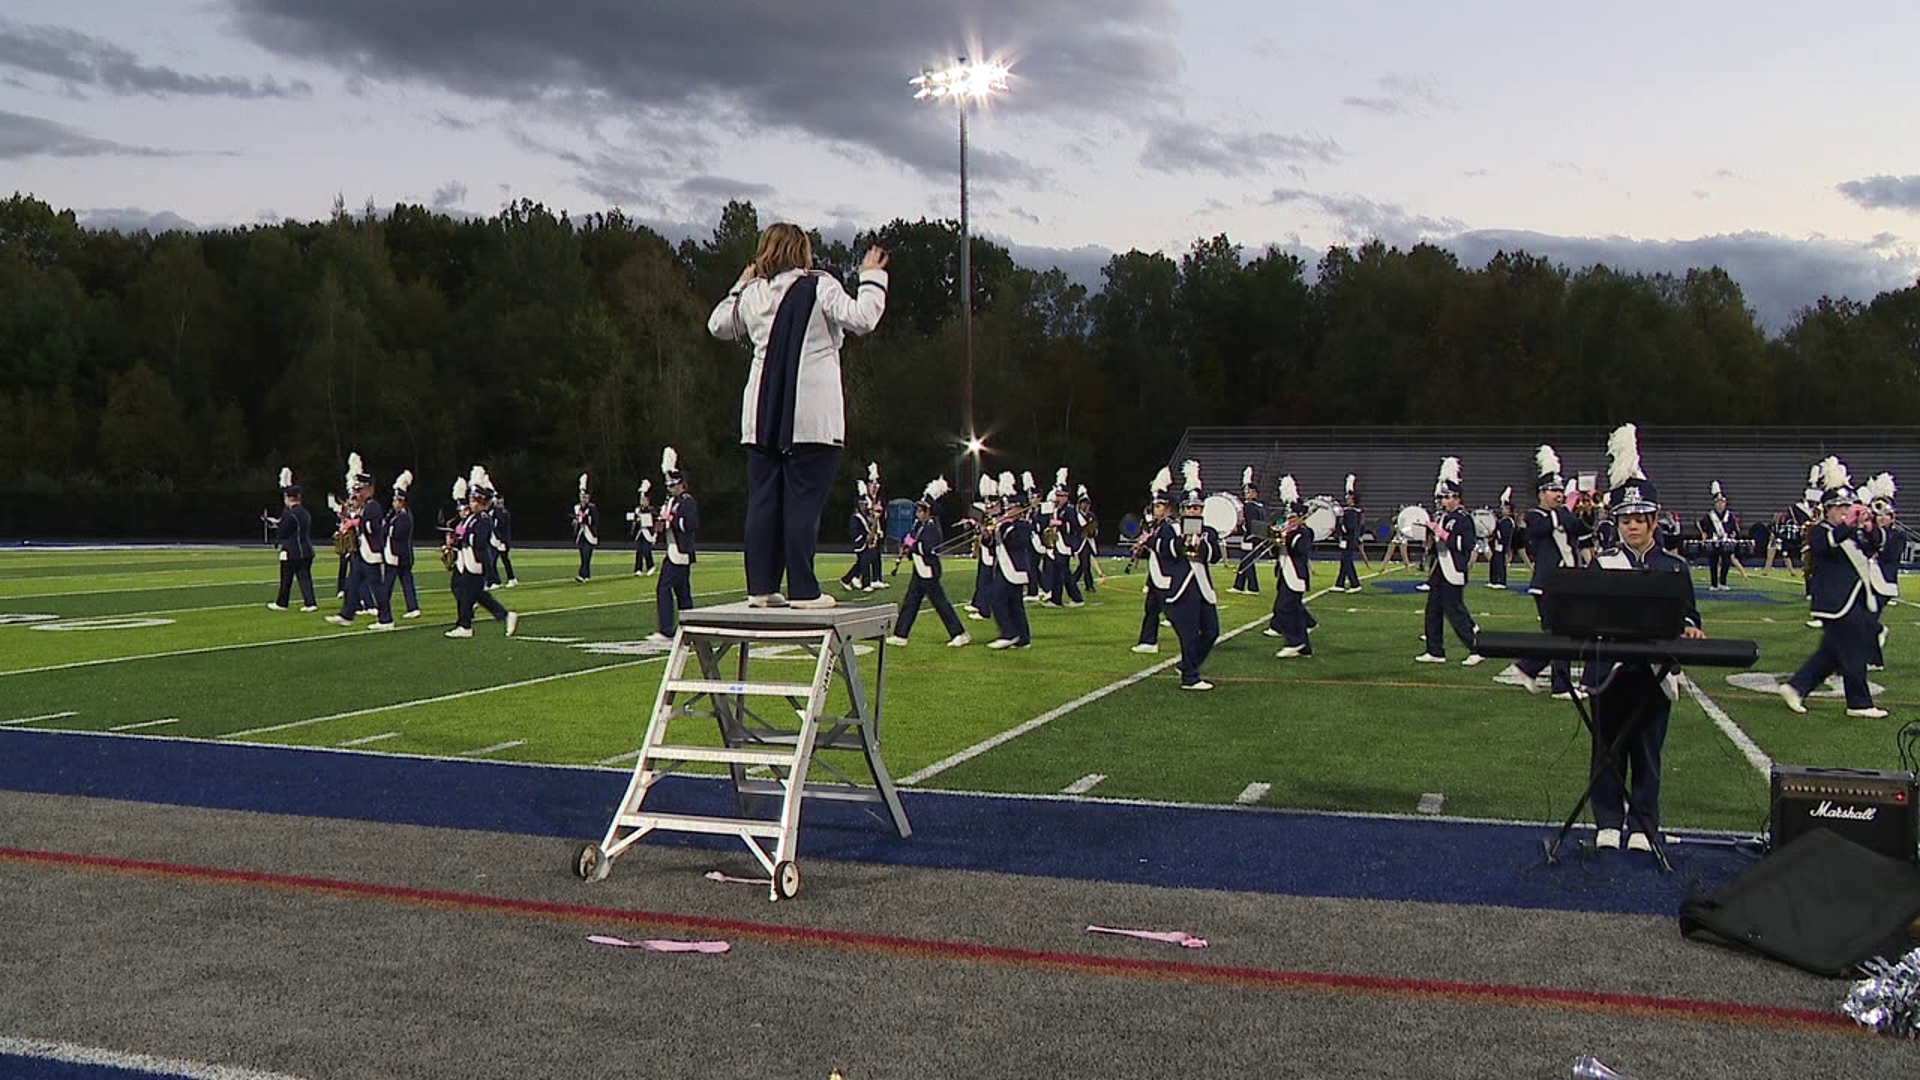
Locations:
column 154, row 384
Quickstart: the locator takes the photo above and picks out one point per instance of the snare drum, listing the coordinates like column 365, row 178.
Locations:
column 1224, row 514
column 1322, row 517
column 1411, row 523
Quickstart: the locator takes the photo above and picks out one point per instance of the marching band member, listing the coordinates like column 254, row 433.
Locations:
column 643, row 534
column 1161, row 491
column 1036, row 536
column 1089, row 541
column 475, row 546
column 1879, row 494
column 986, row 579
column 294, row 529
column 876, row 515
column 1718, row 531
column 860, row 532
column 586, row 535
column 923, row 546
column 399, row 547
column 792, row 412
column 1291, row 619
column 1182, row 555
column 503, row 537
column 343, row 525
column 1013, row 557
column 1552, row 537
column 1500, row 542
column 1632, row 700
column 1841, row 550
column 1453, row 548
column 1347, row 531
column 366, row 575
column 1253, row 513
column 674, row 591
column 1064, row 526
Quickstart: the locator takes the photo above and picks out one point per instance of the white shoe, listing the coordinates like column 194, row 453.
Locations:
column 513, row 622
column 1076, row 603
column 1000, row 643
column 883, row 584
column 1538, row 684
column 960, row 642
column 383, row 626
column 311, row 607
column 1423, row 587
column 816, row 604
column 1270, row 632
column 1872, row 713
column 970, row 609
column 276, row 607
column 414, row 614
column 1290, row 652
column 1429, row 658
column 1639, row 842
column 1607, row 840
column 1792, row 698
column 896, row 640
column 1201, row 685
column 1235, row 592
column 1473, row 660
column 340, row 595
column 460, row 631
column 658, row 638
column 576, row 577
column 643, row 573
column 976, row 616
column 1143, row 647
column 767, row 600
column 513, row 582
column 1876, row 667
column 1496, row 586
column 339, row 620
column 1814, row 624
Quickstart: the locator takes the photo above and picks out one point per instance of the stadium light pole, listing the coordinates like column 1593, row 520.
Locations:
column 964, row 83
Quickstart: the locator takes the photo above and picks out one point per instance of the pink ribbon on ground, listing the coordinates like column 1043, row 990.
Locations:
column 659, row 945
column 724, row 879
column 1171, row 937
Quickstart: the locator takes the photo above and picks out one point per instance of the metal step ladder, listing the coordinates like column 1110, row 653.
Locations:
column 767, row 755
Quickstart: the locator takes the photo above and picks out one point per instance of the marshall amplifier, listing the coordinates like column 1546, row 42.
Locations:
column 1871, row 808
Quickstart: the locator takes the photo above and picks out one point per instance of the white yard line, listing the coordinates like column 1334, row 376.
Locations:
column 1089, row 698
column 274, row 584
column 631, row 755
column 365, row 739
column 291, row 724
column 1430, row 803
column 36, row 719
column 494, row 749
column 74, row 1054
column 146, row 724
column 1755, row 756
column 1253, row 793
column 336, row 635
column 1084, row 784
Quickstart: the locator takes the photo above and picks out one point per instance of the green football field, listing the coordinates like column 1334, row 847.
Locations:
column 177, row 643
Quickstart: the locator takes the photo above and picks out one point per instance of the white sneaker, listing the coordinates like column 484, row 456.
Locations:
column 1201, row 685
column 513, row 622
column 1872, row 713
column 1290, row 652
column 1639, row 842
column 513, row 582
column 1235, row 592
column 658, row 638
column 340, row 595
column 1607, row 840
column 1143, row 647
column 1792, row 698
column 383, row 626
column 970, row 609
column 339, row 620
column 1538, row 684
column 1813, row 624
column 1076, row 603
column 643, row 573
column 276, row 607
column 460, row 631
column 767, row 600
column 311, row 607
column 960, row 642
column 1000, row 643
column 1473, row 660
column 976, row 616
column 1876, row 667
column 816, row 604
column 896, row 640
column 1429, row 658
column 1423, row 587
column 1270, row 632
column 414, row 614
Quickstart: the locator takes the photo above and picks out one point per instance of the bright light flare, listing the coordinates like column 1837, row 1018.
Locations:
column 975, row 445
column 966, row 81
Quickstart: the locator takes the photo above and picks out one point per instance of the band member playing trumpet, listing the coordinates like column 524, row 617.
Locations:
column 1841, row 549
column 475, row 546
column 1452, row 537
column 294, row 529
column 1038, row 564
column 1253, row 520
column 863, row 534
column 1500, row 542
column 1013, row 554
column 1181, row 557
column 643, row 532
column 586, row 530
column 1062, row 541
column 1089, row 549
column 877, row 524
column 985, row 578
column 923, row 547
column 1552, row 535
column 1348, row 533
column 1161, row 492
column 399, row 547
column 366, row 575
column 1291, row 619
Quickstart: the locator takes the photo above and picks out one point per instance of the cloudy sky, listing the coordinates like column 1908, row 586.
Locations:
column 1770, row 137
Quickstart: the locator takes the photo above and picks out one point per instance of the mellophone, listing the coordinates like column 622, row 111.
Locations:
column 1701, row 652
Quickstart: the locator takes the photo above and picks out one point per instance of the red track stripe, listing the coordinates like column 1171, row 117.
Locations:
column 1726, row 1012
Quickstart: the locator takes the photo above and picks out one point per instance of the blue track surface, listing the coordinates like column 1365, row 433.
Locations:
column 1224, row 848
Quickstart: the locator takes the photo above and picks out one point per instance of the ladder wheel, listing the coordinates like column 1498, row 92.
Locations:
column 786, row 880
column 591, row 863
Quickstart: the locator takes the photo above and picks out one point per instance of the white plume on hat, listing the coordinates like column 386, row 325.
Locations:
column 1450, row 470
column 1162, row 481
column 1884, row 487
column 1623, row 450
column 583, row 483
column 1060, row 477
column 1081, row 493
column 987, row 488
column 937, row 487
column 873, row 471
column 1813, row 475
column 1506, row 495
column 1350, row 483
column 669, row 460
column 1545, row 460
column 1026, row 481
column 1289, row 491
column 1246, row 477
column 333, row 503
column 460, row 489
column 861, row 486
column 1714, row 489
column 478, row 478
column 646, row 486
column 1006, row 484
column 1190, row 474
column 286, row 476
column 1833, row 474
column 354, row 469
column 403, row 483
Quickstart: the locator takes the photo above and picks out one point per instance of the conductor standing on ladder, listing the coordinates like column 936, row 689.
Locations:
column 792, row 411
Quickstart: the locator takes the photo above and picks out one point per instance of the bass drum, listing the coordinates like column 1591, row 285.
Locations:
column 1411, row 523
column 1224, row 514
column 1484, row 520
column 1322, row 517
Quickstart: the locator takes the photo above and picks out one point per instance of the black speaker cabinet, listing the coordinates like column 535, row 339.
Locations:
column 1872, row 808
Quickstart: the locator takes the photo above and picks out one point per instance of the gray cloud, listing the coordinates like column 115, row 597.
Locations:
column 721, row 187
column 1883, row 192
column 1402, row 95
column 1360, row 218
column 768, row 67
column 78, row 60
column 444, row 119
column 31, row 136
column 450, row 195
column 1183, row 146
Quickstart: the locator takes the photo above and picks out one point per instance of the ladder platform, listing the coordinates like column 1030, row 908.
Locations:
column 853, row 622
column 700, row 823
column 722, row 755
column 721, row 686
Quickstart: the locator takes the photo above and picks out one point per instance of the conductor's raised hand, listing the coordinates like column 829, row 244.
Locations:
column 876, row 259
column 752, row 271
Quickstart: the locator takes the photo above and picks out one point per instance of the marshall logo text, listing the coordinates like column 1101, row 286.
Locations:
column 1827, row 809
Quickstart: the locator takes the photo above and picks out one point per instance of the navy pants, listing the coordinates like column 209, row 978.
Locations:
column 1010, row 610
column 505, row 561
column 1719, row 567
column 1150, row 620
column 1497, row 568
column 1846, row 646
column 672, row 594
column 931, row 590
column 403, row 575
column 470, row 590
column 1064, row 579
column 1292, row 619
column 1447, row 603
column 642, row 554
column 1634, row 705
column 1198, row 624
column 1083, row 568
column 586, row 561
column 300, row 570
column 340, row 576
column 363, row 580
column 1246, row 575
column 1562, row 669
column 786, row 491
column 1349, row 575
column 984, row 577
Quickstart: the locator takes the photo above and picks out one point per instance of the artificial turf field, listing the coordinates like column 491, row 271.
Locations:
column 177, row 643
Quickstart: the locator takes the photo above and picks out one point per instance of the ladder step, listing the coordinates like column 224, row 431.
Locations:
column 723, row 755
column 722, row 826
column 816, row 790
column 757, row 689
